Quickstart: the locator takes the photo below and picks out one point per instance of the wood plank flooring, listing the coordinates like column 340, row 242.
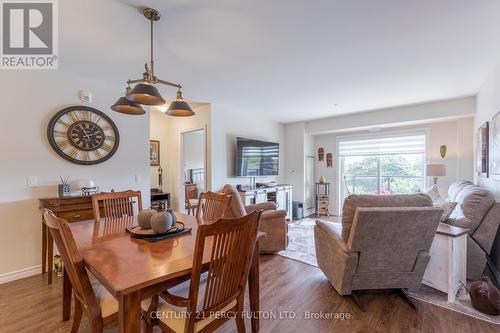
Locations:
column 287, row 288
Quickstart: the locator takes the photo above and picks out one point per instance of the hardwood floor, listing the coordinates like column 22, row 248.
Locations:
column 287, row 286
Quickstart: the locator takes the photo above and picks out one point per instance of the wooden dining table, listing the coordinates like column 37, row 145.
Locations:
column 133, row 269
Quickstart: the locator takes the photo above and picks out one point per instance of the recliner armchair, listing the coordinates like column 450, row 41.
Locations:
column 386, row 248
column 272, row 222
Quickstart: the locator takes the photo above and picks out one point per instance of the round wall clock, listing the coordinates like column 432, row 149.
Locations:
column 83, row 135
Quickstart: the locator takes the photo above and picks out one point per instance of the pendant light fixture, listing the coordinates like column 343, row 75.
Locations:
column 145, row 92
column 123, row 105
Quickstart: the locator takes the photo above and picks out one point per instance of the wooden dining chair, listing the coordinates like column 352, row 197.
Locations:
column 212, row 206
column 115, row 205
column 191, row 198
column 93, row 299
column 232, row 243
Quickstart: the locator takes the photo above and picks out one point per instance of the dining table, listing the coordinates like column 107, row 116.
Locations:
column 133, row 269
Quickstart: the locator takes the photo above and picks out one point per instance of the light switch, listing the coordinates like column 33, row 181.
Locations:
column 32, row 181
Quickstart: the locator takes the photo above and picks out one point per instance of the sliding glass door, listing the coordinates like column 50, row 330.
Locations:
column 382, row 165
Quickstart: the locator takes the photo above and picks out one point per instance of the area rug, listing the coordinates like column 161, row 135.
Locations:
column 301, row 248
column 301, row 242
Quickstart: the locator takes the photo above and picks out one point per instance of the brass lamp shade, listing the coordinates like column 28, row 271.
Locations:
column 179, row 107
column 146, row 94
column 123, row 105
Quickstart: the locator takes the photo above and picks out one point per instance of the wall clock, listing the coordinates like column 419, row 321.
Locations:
column 83, row 135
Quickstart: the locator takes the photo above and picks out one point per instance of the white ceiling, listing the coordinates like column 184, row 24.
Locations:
column 290, row 60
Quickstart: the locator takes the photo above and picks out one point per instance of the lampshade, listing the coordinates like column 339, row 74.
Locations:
column 436, row 170
column 179, row 107
column 145, row 93
column 123, row 105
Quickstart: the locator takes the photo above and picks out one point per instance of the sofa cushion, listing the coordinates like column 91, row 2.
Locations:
column 456, row 188
column 473, row 202
column 447, row 207
column 354, row 201
column 433, row 192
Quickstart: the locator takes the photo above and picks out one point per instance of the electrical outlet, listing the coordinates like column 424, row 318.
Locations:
column 32, row 181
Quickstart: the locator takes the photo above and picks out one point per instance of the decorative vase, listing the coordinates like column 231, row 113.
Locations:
column 322, row 180
column 485, row 297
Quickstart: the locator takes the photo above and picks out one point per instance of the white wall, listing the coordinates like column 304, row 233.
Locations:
column 458, row 158
column 488, row 104
column 168, row 131
column 226, row 126
column 30, row 98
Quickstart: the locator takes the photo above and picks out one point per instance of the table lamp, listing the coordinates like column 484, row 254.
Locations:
column 435, row 171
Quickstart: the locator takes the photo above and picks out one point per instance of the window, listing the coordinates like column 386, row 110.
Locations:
column 382, row 164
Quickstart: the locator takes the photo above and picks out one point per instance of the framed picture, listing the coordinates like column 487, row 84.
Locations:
column 154, row 152
column 494, row 156
column 482, row 150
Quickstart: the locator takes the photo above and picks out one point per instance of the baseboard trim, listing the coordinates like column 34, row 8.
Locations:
column 20, row 274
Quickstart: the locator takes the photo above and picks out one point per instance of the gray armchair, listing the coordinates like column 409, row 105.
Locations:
column 386, row 247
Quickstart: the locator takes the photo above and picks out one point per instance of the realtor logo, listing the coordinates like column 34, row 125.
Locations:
column 29, row 34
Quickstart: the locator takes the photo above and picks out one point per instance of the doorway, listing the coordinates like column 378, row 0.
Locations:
column 193, row 164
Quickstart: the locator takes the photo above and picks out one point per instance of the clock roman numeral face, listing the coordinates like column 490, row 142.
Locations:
column 83, row 135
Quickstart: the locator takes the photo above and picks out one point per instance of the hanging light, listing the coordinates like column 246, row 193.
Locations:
column 123, row 105
column 145, row 91
column 179, row 107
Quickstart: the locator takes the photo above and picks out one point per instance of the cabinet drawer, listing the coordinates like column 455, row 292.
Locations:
column 75, row 216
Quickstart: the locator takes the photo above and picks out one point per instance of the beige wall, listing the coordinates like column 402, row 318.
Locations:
column 455, row 134
column 29, row 99
column 168, row 131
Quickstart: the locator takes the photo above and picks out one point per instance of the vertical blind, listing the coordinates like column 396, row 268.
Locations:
column 383, row 145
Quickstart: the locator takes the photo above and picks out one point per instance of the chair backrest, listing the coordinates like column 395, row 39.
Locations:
column 390, row 239
column 73, row 263
column 212, row 206
column 116, row 204
column 191, row 192
column 233, row 243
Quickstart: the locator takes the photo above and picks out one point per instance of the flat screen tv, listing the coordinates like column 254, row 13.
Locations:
column 256, row 158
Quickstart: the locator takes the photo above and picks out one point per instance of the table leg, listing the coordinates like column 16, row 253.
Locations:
column 44, row 246
column 129, row 313
column 50, row 256
column 67, row 290
column 253, row 286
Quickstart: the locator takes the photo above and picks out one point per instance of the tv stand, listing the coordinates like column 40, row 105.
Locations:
column 281, row 195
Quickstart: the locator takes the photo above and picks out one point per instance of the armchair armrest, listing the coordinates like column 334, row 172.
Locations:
column 335, row 259
column 260, row 206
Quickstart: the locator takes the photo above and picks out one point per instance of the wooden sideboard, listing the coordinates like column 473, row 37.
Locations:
column 72, row 209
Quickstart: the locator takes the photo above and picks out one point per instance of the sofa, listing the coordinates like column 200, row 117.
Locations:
column 383, row 242
column 478, row 211
column 273, row 221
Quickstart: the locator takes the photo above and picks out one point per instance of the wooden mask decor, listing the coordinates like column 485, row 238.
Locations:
column 329, row 160
column 442, row 151
column 321, row 154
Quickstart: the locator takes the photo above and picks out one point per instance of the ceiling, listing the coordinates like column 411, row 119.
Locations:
column 289, row 60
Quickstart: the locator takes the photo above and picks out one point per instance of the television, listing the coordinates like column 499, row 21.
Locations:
column 256, row 158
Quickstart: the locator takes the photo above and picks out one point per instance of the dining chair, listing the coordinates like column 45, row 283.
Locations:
column 221, row 297
column 99, row 305
column 212, row 206
column 191, row 197
column 116, row 205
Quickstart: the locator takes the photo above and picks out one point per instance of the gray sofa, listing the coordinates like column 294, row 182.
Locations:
column 478, row 211
column 383, row 243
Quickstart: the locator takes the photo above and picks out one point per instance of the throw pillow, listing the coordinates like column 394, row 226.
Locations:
column 448, row 207
column 433, row 192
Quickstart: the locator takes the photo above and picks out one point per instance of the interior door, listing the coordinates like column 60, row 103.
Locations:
column 309, row 183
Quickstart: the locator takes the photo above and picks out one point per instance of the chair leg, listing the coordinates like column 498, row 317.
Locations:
column 240, row 321
column 77, row 318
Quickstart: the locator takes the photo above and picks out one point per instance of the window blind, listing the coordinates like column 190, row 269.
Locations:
column 383, row 145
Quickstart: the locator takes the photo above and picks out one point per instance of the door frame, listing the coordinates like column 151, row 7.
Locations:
column 182, row 196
